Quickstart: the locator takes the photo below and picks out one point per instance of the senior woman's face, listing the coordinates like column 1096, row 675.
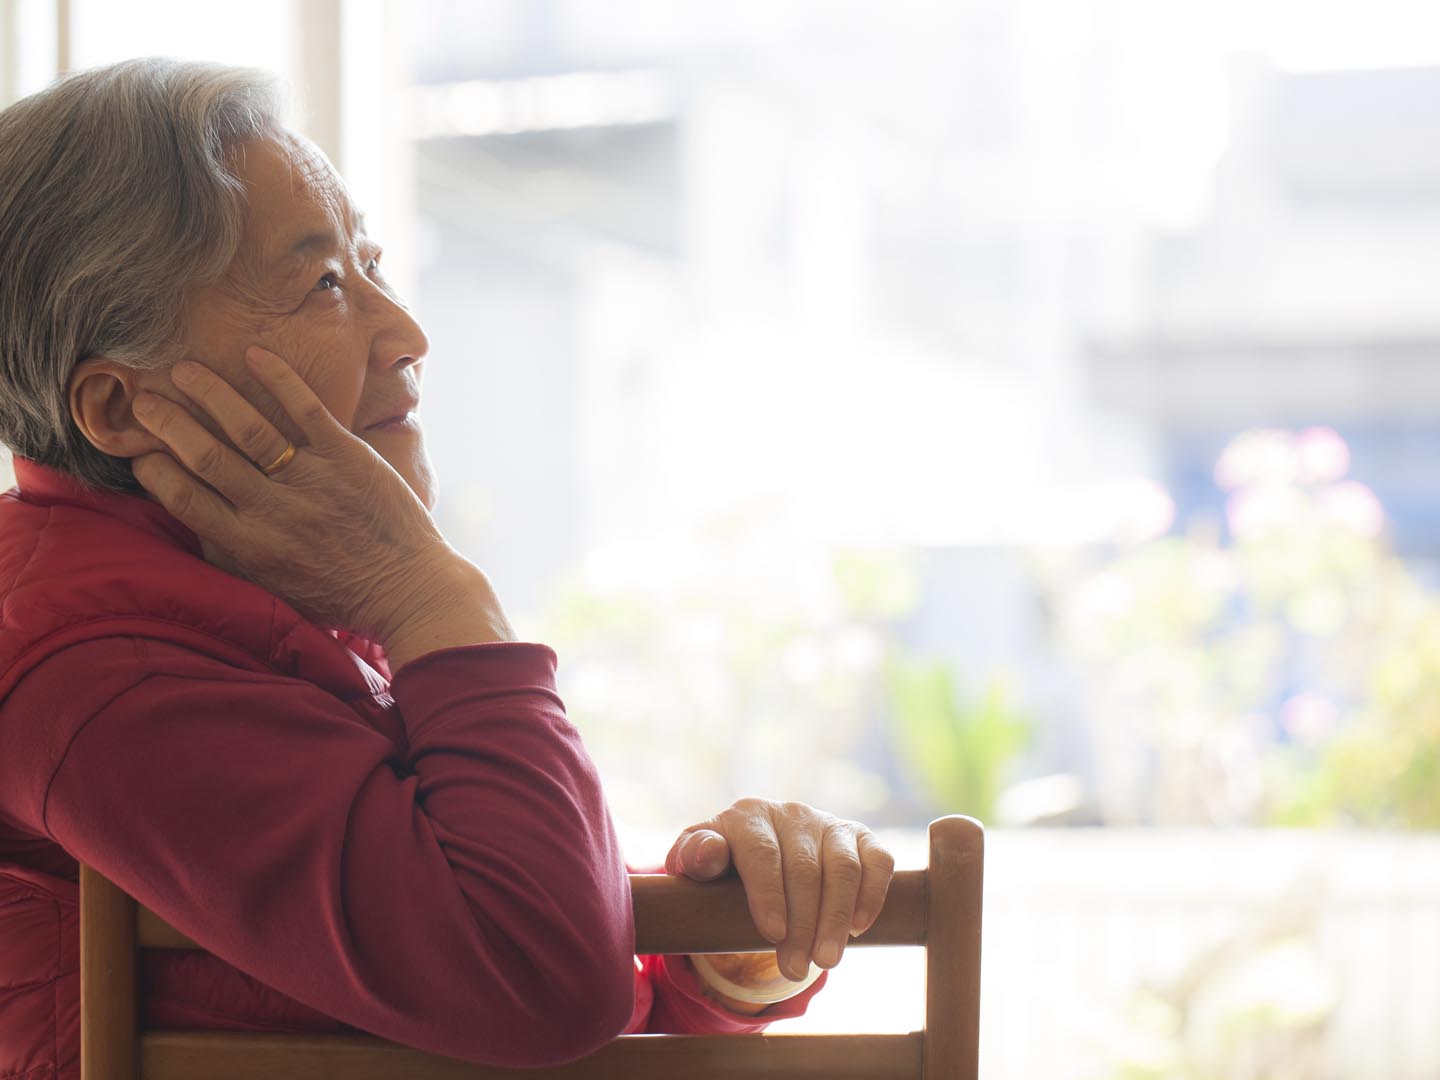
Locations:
column 306, row 284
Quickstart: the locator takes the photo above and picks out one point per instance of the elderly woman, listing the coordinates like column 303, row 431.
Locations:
column 244, row 675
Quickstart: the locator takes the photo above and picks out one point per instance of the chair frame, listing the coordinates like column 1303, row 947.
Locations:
column 938, row 908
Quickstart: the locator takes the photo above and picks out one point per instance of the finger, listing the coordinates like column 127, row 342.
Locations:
column 255, row 436
column 189, row 443
column 755, row 851
column 841, row 873
column 672, row 858
column 186, row 499
column 701, row 854
column 802, row 877
column 294, row 395
column 879, row 868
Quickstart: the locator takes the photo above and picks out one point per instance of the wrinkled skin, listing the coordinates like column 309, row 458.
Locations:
column 356, row 346
column 812, row 880
column 326, row 309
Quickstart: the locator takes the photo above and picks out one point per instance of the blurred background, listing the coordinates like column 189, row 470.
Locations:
column 1023, row 408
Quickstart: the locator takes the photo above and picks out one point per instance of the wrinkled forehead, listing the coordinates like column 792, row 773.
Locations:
column 291, row 193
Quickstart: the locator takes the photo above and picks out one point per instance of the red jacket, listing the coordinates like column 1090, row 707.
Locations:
column 429, row 859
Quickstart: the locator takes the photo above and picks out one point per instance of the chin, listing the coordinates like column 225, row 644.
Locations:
column 421, row 478
column 413, row 465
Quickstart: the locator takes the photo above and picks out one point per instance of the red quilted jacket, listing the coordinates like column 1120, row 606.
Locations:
column 429, row 859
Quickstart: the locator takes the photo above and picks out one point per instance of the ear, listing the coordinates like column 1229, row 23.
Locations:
column 100, row 393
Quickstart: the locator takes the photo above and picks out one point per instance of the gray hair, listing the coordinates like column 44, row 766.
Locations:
column 116, row 197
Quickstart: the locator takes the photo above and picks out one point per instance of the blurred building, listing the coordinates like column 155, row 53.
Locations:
column 953, row 278
column 704, row 259
column 1310, row 294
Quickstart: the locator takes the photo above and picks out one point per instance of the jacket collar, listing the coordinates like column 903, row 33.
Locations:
column 44, row 486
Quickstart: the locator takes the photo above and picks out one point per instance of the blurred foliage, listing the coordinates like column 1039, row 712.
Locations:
column 1286, row 671
column 960, row 750
column 700, row 668
column 1280, row 668
column 1265, row 1020
column 1256, row 1004
column 740, row 661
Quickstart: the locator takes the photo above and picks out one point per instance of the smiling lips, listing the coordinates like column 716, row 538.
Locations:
column 402, row 412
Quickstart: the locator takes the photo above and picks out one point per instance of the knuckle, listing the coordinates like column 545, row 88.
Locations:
column 164, row 421
column 763, row 845
column 804, row 870
column 881, row 859
column 844, row 870
column 182, row 502
column 841, row 832
column 803, row 927
column 208, row 460
column 728, row 818
column 752, row 804
column 252, row 435
column 313, row 412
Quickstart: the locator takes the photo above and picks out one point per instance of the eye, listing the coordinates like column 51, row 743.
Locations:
column 373, row 266
column 327, row 283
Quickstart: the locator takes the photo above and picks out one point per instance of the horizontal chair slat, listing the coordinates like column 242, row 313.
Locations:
column 178, row 1055
column 679, row 915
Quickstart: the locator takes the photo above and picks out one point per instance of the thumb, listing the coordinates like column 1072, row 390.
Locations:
column 703, row 855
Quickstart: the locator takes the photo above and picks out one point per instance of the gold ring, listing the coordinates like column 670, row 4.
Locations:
column 281, row 461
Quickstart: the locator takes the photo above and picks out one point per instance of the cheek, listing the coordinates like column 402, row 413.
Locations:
column 326, row 361
column 221, row 323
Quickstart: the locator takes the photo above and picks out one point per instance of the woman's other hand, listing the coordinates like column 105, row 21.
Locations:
column 812, row 880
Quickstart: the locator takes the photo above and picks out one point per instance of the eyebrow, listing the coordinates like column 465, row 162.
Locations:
column 317, row 241
column 320, row 241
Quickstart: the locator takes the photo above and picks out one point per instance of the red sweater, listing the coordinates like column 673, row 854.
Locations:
column 429, row 859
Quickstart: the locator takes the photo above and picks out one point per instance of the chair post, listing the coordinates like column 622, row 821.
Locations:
column 108, row 1040
column 952, row 949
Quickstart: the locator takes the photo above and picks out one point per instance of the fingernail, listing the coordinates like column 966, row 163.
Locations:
column 793, row 965
column 828, row 954
column 861, row 923
column 143, row 404
column 774, row 927
column 697, row 858
column 185, row 372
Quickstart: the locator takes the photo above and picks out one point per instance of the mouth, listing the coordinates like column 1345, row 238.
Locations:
column 406, row 421
column 402, row 415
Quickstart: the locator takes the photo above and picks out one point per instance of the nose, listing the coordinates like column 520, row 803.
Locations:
column 398, row 337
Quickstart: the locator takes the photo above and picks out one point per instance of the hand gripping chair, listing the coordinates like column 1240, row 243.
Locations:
column 937, row 908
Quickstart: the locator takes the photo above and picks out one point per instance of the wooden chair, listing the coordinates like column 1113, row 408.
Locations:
column 938, row 908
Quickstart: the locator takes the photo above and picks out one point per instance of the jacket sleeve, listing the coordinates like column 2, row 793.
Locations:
column 466, row 895
column 669, row 1000
column 668, row 994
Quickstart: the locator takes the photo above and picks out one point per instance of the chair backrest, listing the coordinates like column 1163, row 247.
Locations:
column 938, row 908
